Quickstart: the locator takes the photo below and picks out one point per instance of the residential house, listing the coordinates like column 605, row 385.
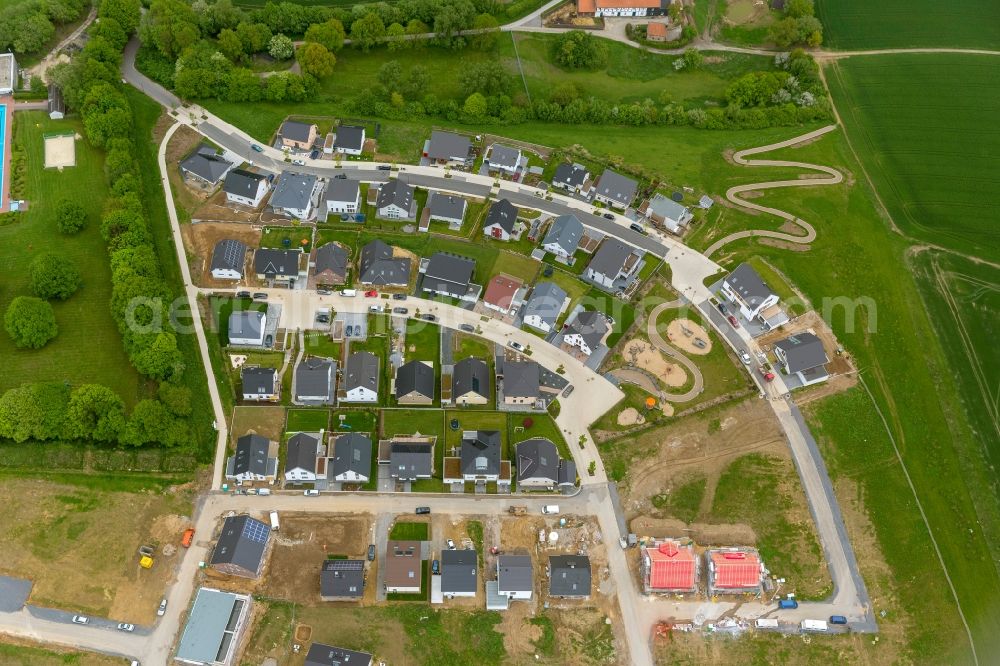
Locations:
column 470, row 382
column 228, row 259
column 360, row 381
column 587, row 331
column 479, row 458
column 298, row 136
column 623, row 8
column 514, row 577
column 252, row 460
column 8, row 74
column 504, row 294
column 539, row 465
column 803, row 355
column 544, row 306
column 341, row 580
column 503, row 159
column 327, row 655
column 415, row 383
column 573, row 178
column 260, row 383
column 449, row 275
column 500, row 220
column 304, row 458
column 521, row 382
column 245, row 187
column 342, row 196
column 293, row 195
column 330, row 264
column 276, row 265
column 352, row 458
column 350, row 140
column 656, row 32
column 569, row 576
column 563, row 237
column 403, row 567
column 459, row 575
column 410, row 459
column 668, row 566
column 448, row 148
column 314, row 380
column 241, row 547
column 214, row 628
column 379, row 268
column 734, row 571
column 614, row 265
column 447, row 208
column 665, row 212
column 205, row 165
column 396, row 201
column 615, row 189
column 745, row 289
column 246, row 328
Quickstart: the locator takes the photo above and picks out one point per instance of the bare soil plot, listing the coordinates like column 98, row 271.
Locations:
column 840, row 364
column 643, row 355
column 267, row 421
column 187, row 196
column 200, row 240
column 683, row 332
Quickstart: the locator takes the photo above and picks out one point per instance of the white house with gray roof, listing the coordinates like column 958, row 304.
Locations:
column 544, row 307
column 539, row 465
column 563, row 237
column 803, row 356
column 447, row 208
column 252, row 460
column 667, row 213
column 260, row 384
column 314, row 381
column 514, row 577
column 614, row 265
column 572, row 177
column 448, row 148
column 569, row 576
column 361, row 378
column 396, row 201
column 245, row 187
column 503, row 158
column 277, row 265
column 246, row 328
column 228, row 259
column 206, row 165
column 342, row 196
column 294, row 195
column 449, row 275
column 615, row 189
column 587, row 330
column 378, row 267
column 521, row 382
column 302, row 458
column 745, row 289
column 350, row 140
column 352, row 458
column 500, row 220
column 459, row 573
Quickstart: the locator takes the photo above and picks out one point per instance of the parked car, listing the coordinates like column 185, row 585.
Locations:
column 299, row 162
column 838, row 619
column 609, row 216
column 371, row 293
column 375, row 308
column 243, row 294
column 324, row 292
column 468, row 328
column 188, row 537
column 423, row 510
column 745, row 357
column 722, row 308
column 371, row 553
column 322, row 318
column 435, row 567
column 124, row 626
column 734, row 321
column 268, row 340
column 451, row 545
column 384, row 167
column 341, row 176
column 81, row 619
column 637, row 228
column 161, row 610
column 399, row 297
column 257, row 149
column 314, row 155
column 349, row 331
column 788, row 604
column 516, row 346
column 312, row 492
column 260, row 296
column 401, row 311
column 567, row 391
column 428, row 317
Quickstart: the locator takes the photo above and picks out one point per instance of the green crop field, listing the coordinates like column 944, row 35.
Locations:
column 863, row 24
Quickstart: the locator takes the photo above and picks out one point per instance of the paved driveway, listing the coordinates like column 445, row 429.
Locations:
column 13, row 593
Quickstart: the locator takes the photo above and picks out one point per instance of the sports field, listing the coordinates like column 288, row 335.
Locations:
column 868, row 24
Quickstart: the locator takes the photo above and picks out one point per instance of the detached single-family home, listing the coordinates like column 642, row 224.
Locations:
column 665, row 212
column 448, row 148
column 341, row 580
column 521, row 382
column 459, row 575
column 544, row 306
column 803, row 355
column 206, row 165
column 260, row 383
column 625, row 8
column 304, row 461
column 396, row 201
column 403, row 567
column 447, row 208
column 615, row 189
column 539, row 465
column 342, row 196
column 293, row 195
column 480, row 457
column 252, row 460
column 668, row 566
column 734, row 571
column 614, row 264
column 470, row 382
column 298, row 136
column 314, row 380
column 360, row 381
column 379, row 268
column 745, row 289
column 352, row 458
column 587, row 330
column 415, row 383
column 448, row 275
column 276, row 265
column 569, row 576
column 350, row 140
column 563, row 237
column 500, row 221
column 503, row 294
column 330, row 264
column 328, row 655
column 245, row 187
column 503, row 158
column 572, row 177
column 514, row 577
column 241, row 547
column 246, row 328
column 409, row 459
column 228, row 259
column 8, row 74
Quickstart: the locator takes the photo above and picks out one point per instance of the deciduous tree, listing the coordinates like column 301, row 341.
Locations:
column 316, row 60
column 30, row 322
column 71, row 217
column 54, row 276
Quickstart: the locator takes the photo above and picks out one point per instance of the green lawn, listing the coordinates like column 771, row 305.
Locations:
column 320, row 344
column 543, row 425
column 424, row 339
column 355, row 420
column 89, row 348
column 307, row 420
column 287, row 238
column 860, row 24
column 428, row 422
column 404, row 531
column 471, row 345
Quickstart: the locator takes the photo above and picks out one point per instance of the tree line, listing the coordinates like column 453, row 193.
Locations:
column 28, row 27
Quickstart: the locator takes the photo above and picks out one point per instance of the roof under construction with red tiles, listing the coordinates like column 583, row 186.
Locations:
column 671, row 566
column 735, row 569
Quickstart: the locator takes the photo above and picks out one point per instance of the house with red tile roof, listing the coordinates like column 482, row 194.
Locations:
column 668, row 566
column 504, row 294
column 734, row 571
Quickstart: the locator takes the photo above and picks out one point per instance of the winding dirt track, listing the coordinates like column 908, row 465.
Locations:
column 833, row 177
column 674, row 353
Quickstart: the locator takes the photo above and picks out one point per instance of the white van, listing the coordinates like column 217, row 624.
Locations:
column 549, row 509
column 274, row 520
column 349, row 293
column 264, row 492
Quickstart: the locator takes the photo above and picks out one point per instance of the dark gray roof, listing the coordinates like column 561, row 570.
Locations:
column 569, row 575
column 415, row 376
column 242, row 542
column 251, row 455
column 447, row 206
column 480, row 452
column 206, row 164
column 617, row 187
column 503, row 214
column 610, row 257
column 295, row 131
column 521, row 379
column 448, row 146
column 566, row 231
column 242, row 183
column 229, row 254
column 537, row 458
column 332, row 257
column 293, row 190
column 573, row 175
column 350, row 137
column 408, row 460
column 567, row 473
column 274, row 263
column 246, row 324
column 314, row 376
column 748, row 284
column 342, row 578
column 546, row 301
column 505, row 156
column 352, row 453
column 458, row 571
column 342, row 189
column 395, row 192
column 258, row 380
column 379, row 267
column 471, row 375
column 327, row 655
column 361, row 370
column 590, row 325
column 514, row 573
column 803, row 351
column 449, row 273
column 301, row 452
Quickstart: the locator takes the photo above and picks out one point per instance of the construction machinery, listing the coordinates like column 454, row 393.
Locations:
column 146, row 557
column 518, row 510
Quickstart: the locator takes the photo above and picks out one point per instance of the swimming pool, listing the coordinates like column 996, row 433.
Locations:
column 3, row 156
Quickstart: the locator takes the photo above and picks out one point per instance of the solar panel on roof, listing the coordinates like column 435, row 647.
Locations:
column 256, row 531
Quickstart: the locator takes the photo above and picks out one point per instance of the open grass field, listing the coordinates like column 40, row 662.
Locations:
column 23, row 653
column 85, row 318
column 861, row 24
column 932, row 159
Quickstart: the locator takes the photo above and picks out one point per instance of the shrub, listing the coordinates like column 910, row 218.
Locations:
column 54, row 276
column 71, row 217
column 30, row 322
